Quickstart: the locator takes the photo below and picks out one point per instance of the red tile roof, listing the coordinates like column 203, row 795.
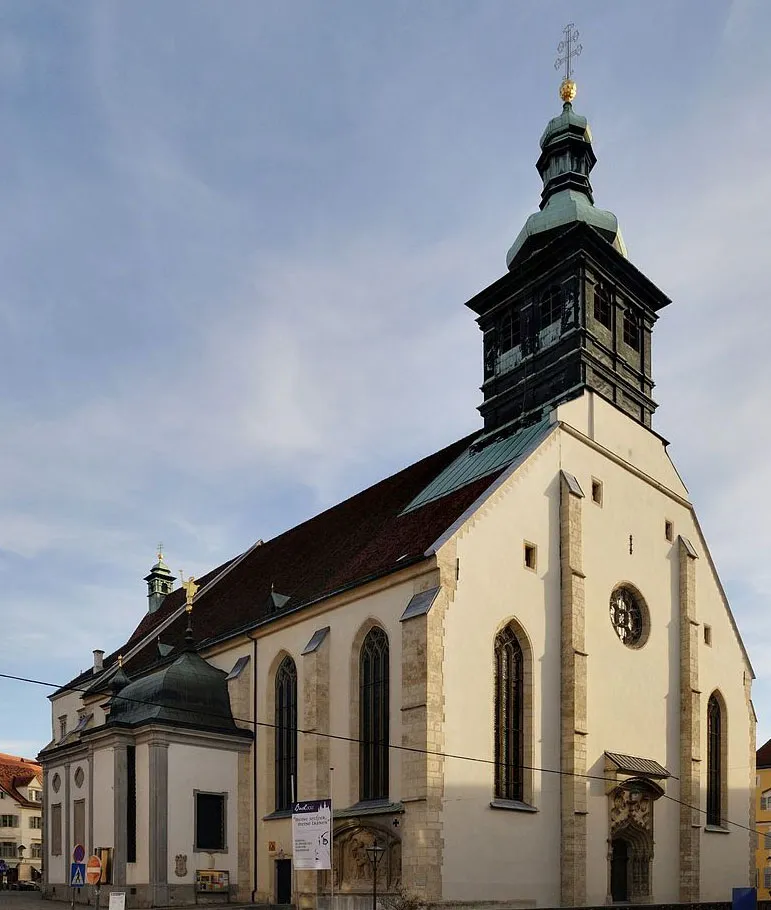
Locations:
column 357, row 540
column 763, row 756
column 18, row 772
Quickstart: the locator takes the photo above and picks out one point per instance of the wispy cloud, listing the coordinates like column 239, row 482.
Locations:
column 235, row 244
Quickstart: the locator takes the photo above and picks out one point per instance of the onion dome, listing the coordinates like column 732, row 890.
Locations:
column 565, row 162
column 189, row 692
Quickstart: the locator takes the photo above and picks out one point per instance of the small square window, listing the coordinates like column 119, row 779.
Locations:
column 707, row 635
column 669, row 531
column 597, row 491
column 531, row 556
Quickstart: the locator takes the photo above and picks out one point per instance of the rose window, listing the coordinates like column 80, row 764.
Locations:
column 628, row 617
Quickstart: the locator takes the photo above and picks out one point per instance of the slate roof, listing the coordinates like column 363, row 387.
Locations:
column 18, row 772
column 365, row 537
column 763, row 756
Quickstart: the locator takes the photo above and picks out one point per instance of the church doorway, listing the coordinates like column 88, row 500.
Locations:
column 283, row 881
column 619, row 870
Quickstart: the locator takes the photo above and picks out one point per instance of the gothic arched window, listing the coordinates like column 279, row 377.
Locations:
column 715, row 734
column 373, row 716
column 286, row 733
column 509, row 739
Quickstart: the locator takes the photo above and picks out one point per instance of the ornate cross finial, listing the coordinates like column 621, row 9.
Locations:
column 160, row 552
column 568, row 48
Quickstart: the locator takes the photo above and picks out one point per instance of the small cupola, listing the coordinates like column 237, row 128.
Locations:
column 564, row 164
column 160, row 582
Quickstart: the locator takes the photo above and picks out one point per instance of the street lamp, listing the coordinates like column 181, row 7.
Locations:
column 375, row 853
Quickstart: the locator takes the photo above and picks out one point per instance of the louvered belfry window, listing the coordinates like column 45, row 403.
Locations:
column 508, row 716
column 373, row 716
column 714, row 758
column 286, row 732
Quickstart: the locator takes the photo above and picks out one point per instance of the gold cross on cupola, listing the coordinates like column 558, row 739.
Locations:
column 567, row 49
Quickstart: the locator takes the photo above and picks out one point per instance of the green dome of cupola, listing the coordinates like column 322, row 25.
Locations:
column 565, row 163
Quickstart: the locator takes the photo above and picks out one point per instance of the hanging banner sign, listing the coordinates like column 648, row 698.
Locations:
column 312, row 834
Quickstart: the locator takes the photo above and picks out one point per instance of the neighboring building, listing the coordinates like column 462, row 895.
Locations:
column 536, row 598
column 21, row 818
column 763, row 821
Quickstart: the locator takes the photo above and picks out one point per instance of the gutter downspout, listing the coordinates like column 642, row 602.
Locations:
column 254, row 765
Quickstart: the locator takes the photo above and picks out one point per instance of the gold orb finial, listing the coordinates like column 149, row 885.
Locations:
column 568, row 90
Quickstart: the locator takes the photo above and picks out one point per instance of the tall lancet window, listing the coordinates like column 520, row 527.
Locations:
column 715, row 734
column 286, row 733
column 509, row 741
column 373, row 716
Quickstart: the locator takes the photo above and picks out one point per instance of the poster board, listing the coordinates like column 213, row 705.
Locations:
column 312, row 834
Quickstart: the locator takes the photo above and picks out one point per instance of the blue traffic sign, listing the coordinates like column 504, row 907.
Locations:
column 3, row 866
column 77, row 875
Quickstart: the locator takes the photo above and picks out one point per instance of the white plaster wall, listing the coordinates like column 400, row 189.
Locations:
column 198, row 768
column 345, row 622
column 633, row 695
column 633, row 700
column 77, row 794
column 104, row 799
column 724, row 858
column 139, row 872
column 633, row 703
column 492, row 854
column 612, row 429
column 224, row 660
column 66, row 704
column 55, row 865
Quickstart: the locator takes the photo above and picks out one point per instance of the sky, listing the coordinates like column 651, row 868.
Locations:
column 235, row 244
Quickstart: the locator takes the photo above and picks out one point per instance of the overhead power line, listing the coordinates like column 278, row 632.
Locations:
column 357, row 740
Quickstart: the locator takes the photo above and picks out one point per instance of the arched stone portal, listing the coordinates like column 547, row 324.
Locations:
column 630, row 841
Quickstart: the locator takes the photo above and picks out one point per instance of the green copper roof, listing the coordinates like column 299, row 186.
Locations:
column 565, row 208
column 566, row 160
column 475, row 463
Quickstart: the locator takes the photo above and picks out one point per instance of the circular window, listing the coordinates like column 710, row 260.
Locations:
column 56, row 782
column 629, row 616
column 79, row 776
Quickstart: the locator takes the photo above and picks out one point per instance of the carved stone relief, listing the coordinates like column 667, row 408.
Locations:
column 352, row 865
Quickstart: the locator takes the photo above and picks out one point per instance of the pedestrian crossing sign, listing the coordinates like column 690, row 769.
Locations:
column 77, row 875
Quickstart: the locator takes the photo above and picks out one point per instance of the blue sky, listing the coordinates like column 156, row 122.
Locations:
column 235, row 243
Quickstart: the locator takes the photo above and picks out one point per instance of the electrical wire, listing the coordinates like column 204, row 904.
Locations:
column 356, row 740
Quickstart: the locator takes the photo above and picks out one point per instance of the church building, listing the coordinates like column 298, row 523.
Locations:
column 511, row 666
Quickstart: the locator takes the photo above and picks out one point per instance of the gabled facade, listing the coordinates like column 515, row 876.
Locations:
column 511, row 665
column 21, row 818
column 763, row 821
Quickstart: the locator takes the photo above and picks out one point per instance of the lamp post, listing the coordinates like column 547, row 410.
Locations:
column 375, row 853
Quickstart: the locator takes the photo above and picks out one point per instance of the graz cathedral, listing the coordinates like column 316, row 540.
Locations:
column 515, row 653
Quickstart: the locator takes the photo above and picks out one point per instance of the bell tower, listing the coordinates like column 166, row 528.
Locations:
column 572, row 313
column 160, row 582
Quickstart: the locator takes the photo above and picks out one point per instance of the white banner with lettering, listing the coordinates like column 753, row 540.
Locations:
column 312, row 834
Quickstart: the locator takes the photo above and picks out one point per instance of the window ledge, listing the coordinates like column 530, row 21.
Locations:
column 716, row 829
column 210, row 849
column 512, row 805
column 278, row 813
